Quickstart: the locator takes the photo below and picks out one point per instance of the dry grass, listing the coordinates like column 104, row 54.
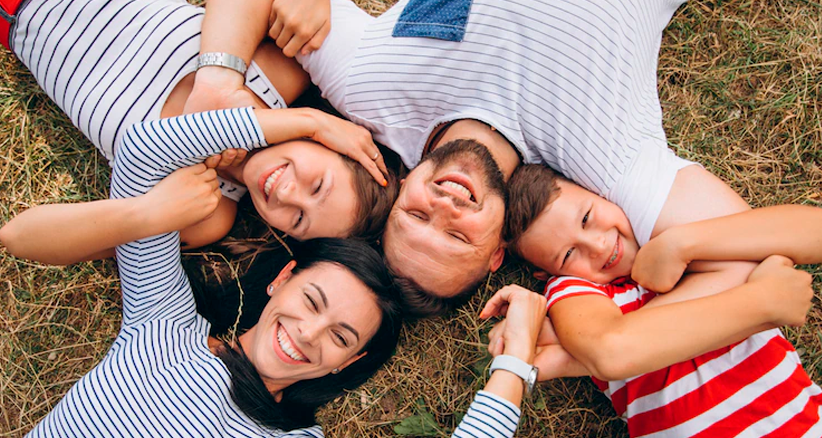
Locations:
column 740, row 86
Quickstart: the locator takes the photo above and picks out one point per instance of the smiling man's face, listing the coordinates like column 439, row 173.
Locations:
column 444, row 231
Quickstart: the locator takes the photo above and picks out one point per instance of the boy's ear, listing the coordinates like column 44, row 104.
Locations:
column 542, row 275
column 282, row 277
column 497, row 258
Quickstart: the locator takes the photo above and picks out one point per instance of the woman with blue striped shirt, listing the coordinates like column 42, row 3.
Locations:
column 332, row 321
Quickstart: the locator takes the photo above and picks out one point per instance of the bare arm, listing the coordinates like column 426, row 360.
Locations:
column 615, row 346
column 793, row 231
column 69, row 233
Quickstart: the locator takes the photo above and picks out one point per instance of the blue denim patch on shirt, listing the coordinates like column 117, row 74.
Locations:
column 440, row 19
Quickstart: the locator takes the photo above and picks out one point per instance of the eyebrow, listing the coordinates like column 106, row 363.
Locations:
column 322, row 293
column 325, row 302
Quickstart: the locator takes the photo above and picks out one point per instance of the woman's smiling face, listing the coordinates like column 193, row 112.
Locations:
column 303, row 189
column 316, row 320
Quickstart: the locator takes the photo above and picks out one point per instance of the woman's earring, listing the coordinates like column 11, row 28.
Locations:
column 335, row 371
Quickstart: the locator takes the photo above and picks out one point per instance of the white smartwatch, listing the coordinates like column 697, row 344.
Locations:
column 221, row 59
column 526, row 371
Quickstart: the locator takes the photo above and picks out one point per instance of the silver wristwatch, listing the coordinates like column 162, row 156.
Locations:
column 526, row 371
column 220, row 59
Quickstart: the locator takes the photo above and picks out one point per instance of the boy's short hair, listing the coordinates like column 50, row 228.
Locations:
column 531, row 188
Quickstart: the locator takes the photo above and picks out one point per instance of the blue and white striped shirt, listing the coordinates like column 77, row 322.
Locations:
column 159, row 378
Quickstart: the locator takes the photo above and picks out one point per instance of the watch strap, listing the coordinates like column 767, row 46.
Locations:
column 512, row 364
column 221, row 59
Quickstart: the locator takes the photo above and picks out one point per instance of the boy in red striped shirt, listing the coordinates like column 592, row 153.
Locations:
column 692, row 362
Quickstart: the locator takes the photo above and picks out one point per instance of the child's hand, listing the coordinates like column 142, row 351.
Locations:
column 525, row 313
column 788, row 290
column 659, row 265
column 182, row 199
column 229, row 157
column 554, row 362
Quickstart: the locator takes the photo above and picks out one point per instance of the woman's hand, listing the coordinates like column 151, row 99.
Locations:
column 787, row 290
column 351, row 140
column 525, row 313
column 299, row 25
column 217, row 88
column 183, row 198
column 545, row 337
column 660, row 264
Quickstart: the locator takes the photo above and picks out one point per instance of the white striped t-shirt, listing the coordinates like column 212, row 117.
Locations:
column 754, row 388
column 111, row 63
column 159, row 378
column 570, row 83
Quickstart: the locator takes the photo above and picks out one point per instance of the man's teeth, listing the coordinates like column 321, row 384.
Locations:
column 285, row 344
column 461, row 188
column 272, row 179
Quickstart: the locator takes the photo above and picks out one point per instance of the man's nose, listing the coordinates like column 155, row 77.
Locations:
column 444, row 205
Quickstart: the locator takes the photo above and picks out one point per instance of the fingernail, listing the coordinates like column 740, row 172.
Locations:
column 384, row 183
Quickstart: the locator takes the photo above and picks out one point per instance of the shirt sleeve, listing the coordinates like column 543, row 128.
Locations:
column 560, row 288
column 311, row 432
column 152, row 279
column 489, row 416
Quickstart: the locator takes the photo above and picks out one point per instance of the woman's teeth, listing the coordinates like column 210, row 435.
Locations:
column 285, row 344
column 269, row 182
column 459, row 187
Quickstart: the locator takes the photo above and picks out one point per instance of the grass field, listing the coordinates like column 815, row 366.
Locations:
column 740, row 87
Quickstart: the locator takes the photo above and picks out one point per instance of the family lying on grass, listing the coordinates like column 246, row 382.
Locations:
column 465, row 93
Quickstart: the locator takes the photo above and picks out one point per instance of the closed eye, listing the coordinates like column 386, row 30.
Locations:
column 585, row 218
column 342, row 339
column 312, row 303
column 319, row 186
column 567, row 255
column 298, row 221
column 459, row 237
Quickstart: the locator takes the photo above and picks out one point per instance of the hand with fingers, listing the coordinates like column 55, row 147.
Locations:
column 524, row 311
column 183, row 198
column 787, row 290
column 299, row 26
column 351, row 140
column 228, row 158
column 217, row 88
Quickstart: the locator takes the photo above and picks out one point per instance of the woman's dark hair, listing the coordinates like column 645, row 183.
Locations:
column 374, row 202
column 301, row 400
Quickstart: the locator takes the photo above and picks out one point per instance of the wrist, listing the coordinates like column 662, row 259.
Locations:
column 142, row 216
column 523, row 352
column 221, row 77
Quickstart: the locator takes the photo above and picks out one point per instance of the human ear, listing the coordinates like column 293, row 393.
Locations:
column 542, row 275
column 497, row 257
column 353, row 359
column 282, row 277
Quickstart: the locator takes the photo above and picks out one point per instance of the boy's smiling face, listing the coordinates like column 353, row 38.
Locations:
column 582, row 235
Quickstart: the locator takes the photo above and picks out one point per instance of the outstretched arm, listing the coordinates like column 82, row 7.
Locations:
column 614, row 346
column 62, row 234
column 794, row 231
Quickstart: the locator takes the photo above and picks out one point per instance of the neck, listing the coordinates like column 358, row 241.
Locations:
column 503, row 152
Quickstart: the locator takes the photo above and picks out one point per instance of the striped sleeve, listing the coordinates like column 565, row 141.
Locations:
column 153, row 282
column 311, row 432
column 489, row 416
column 560, row 288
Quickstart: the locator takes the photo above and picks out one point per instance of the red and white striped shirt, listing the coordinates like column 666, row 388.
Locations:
column 754, row 388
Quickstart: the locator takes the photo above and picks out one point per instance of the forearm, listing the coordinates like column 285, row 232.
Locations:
column 62, row 234
column 615, row 346
column 793, row 231
column 235, row 27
